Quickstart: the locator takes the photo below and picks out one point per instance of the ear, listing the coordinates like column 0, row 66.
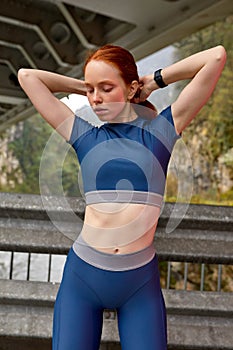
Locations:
column 133, row 87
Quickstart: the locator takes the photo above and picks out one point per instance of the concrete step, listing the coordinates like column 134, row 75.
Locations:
column 195, row 245
column 31, row 223
column 32, row 325
column 190, row 245
column 15, row 292
column 199, row 333
column 27, row 293
column 196, row 320
column 26, row 206
column 26, row 313
column 33, row 236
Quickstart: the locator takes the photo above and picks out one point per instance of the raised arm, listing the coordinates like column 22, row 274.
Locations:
column 40, row 87
column 204, row 69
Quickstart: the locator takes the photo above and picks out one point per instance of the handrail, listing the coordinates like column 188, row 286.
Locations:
column 196, row 319
column 204, row 235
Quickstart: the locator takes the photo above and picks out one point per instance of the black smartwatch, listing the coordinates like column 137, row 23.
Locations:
column 159, row 79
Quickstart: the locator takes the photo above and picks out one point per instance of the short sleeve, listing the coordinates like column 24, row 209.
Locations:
column 163, row 124
column 79, row 129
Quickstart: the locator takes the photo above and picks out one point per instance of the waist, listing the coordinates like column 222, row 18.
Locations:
column 118, row 225
column 124, row 196
column 113, row 262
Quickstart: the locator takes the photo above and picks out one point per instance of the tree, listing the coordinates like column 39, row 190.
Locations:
column 28, row 149
column 213, row 125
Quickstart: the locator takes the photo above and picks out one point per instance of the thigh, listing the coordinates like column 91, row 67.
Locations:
column 78, row 317
column 142, row 319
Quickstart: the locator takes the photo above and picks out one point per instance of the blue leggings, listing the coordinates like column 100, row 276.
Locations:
column 84, row 293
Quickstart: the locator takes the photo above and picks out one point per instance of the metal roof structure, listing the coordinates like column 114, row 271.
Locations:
column 55, row 35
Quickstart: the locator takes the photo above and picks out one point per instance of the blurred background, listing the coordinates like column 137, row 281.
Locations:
column 209, row 138
column 56, row 36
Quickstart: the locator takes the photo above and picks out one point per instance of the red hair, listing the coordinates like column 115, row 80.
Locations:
column 124, row 62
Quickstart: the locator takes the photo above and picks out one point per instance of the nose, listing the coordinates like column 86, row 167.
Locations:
column 97, row 97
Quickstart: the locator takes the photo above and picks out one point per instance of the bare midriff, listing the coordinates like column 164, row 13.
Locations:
column 120, row 228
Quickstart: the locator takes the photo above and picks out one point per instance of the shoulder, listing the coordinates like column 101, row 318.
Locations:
column 163, row 124
column 80, row 127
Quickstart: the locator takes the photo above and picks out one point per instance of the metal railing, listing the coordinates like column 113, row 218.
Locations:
column 31, row 246
column 201, row 277
column 37, row 251
column 49, row 267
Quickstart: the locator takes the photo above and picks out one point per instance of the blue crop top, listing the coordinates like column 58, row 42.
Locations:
column 125, row 162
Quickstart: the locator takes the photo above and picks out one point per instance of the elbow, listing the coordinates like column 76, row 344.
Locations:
column 23, row 77
column 22, row 74
column 221, row 54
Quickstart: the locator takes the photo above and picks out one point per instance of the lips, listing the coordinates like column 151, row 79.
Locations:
column 100, row 110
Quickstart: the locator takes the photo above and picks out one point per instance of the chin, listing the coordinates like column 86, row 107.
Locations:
column 103, row 118
column 107, row 118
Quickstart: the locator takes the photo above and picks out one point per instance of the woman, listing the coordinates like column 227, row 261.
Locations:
column 113, row 263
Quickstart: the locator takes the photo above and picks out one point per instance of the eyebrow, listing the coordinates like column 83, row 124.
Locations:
column 103, row 82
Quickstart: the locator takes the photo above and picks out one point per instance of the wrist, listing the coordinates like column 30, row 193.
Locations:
column 158, row 78
column 79, row 87
column 151, row 84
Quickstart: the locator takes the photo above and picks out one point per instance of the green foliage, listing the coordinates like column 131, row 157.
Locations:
column 218, row 112
column 28, row 149
column 70, row 175
column 214, row 123
column 228, row 196
column 219, row 109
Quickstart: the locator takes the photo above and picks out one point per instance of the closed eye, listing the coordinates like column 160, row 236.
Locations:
column 102, row 87
column 107, row 89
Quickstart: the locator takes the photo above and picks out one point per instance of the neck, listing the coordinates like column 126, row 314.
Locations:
column 127, row 115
